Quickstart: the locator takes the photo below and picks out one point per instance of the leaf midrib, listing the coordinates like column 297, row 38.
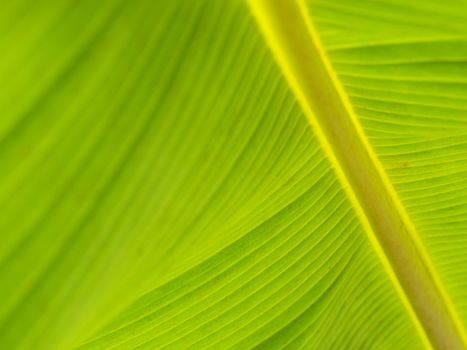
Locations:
column 287, row 28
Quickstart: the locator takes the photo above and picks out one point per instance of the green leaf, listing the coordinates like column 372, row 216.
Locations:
column 228, row 174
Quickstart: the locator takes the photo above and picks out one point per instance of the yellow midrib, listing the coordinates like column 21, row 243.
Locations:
column 288, row 31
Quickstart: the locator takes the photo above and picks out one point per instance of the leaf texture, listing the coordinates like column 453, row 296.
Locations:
column 407, row 88
column 161, row 188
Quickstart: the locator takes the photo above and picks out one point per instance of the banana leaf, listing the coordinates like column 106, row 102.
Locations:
column 237, row 174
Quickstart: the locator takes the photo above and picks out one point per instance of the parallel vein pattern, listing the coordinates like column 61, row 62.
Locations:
column 406, row 79
column 293, row 40
column 160, row 188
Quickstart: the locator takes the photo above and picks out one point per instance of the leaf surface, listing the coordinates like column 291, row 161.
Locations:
column 161, row 186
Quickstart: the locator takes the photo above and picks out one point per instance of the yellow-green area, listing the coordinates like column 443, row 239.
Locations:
column 294, row 41
column 161, row 186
